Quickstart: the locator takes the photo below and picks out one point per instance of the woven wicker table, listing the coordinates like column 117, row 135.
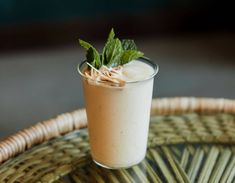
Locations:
column 190, row 140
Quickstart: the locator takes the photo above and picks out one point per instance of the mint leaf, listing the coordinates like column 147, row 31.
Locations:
column 129, row 55
column 92, row 54
column 111, row 35
column 85, row 44
column 113, row 52
column 110, row 38
column 130, row 51
column 128, row 44
column 93, row 57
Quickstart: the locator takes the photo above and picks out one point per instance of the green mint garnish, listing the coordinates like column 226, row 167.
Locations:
column 114, row 53
column 92, row 55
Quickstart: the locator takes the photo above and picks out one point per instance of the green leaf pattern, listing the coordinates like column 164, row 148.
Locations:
column 129, row 55
column 114, row 53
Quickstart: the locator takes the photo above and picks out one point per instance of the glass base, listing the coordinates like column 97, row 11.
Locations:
column 113, row 168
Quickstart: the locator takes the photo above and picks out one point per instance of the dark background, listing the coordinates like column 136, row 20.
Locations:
column 27, row 24
column 192, row 41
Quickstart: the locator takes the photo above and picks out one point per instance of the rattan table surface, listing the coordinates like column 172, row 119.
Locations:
column 183, row 146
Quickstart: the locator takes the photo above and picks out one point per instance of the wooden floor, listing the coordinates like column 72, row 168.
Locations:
column 36, row 85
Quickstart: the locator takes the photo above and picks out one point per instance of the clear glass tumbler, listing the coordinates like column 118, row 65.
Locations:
column 118, row 119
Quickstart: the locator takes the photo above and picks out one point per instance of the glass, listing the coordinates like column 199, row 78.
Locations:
column 118, row 119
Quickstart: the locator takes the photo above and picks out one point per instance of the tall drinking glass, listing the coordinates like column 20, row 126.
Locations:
column 118, row 119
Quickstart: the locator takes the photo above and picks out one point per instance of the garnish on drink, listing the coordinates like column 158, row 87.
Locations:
column 108, row 65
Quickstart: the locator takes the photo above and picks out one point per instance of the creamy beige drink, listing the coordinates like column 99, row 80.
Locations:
column 118, row 84
column 118, row 116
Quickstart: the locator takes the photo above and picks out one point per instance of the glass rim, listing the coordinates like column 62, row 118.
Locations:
column 144, row 59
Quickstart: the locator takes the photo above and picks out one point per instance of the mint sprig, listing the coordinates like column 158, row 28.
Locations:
column 114, row 53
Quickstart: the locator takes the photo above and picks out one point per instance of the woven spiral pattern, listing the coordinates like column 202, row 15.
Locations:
column 193, row 128
column 183, row 164
column 47, row 162
column 190, row 140
column 41, row 132
column 165, row 162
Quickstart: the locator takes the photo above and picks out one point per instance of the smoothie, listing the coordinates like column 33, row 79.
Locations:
column 118, row 84
column 118, row 117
